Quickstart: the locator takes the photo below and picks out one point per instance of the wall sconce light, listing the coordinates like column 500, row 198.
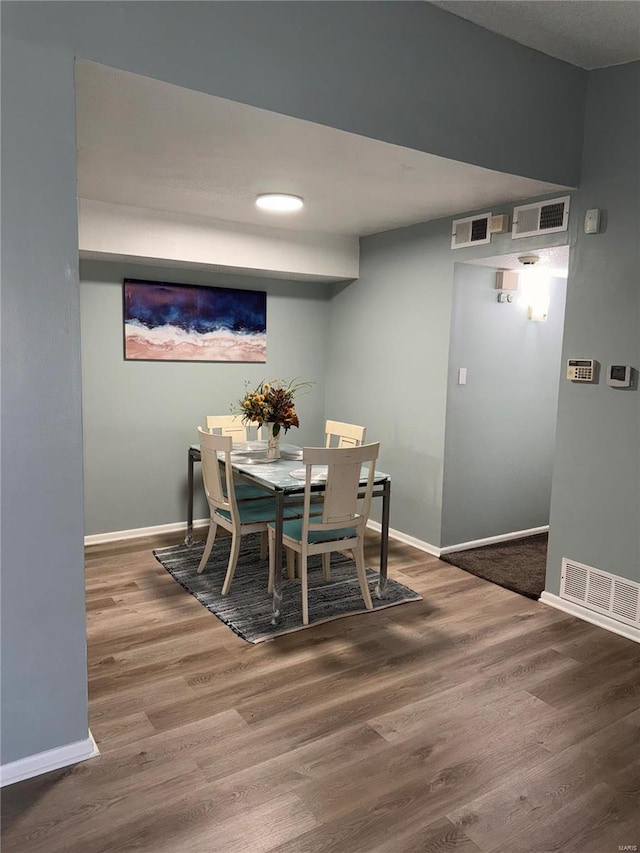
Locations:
column 538, row 312
column 535, row 288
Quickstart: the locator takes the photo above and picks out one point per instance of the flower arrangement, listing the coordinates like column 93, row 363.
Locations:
column 273, row 403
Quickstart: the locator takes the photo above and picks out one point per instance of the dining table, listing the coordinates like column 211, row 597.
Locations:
column 283, row 480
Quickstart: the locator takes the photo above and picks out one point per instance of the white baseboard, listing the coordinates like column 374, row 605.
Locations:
column 592, row 616
column 435, row 551
column 491, row 540
column 139, row 532
column 50, row 759
column 408, row 540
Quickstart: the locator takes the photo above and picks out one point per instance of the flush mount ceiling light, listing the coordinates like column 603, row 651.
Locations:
column 280, row 202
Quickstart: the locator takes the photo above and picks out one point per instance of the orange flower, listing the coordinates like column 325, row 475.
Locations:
column 273, row 402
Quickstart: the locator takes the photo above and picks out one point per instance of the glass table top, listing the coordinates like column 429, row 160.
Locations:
column 250, row 458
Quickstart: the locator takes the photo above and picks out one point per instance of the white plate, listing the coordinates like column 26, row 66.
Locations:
column 318, row 473
column 248, row 446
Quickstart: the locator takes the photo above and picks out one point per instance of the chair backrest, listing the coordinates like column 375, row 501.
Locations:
column 344, row 435
column 212, row 474
column 232, row 425
column 343, row 485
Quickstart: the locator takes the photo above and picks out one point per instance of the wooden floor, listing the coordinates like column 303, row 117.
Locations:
column 474, row 720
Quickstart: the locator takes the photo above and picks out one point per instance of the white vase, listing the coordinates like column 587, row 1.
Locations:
column 273, row 442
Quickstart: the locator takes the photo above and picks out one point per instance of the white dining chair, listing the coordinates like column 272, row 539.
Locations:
column 232, row 425
column 341, row 526
column 237, row 517
column 338, row 434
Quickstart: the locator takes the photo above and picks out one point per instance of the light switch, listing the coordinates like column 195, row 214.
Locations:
column 462, row 376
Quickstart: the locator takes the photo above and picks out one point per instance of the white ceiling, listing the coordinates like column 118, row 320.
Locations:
column 150, row 144
column 147, row 143
column 587, row 33
column 554, row 260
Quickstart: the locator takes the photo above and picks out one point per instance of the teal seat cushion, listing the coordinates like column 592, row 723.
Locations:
column 246, row 492
column 293, row 529
column 253, row 512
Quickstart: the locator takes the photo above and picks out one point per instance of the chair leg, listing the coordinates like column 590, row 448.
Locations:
column 291, row 564
column 272, row 559
column 264, row 545
column 211, row 536
column 326, row 566
column 305, row 588
column 233, row 559
column 358, row 553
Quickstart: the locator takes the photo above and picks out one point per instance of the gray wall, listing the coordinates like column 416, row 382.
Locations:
column 405, row 73
column 595, row 506
column 44, row 693
column 500, row 426
column 139, row 417
column 389, row 360
column 388, row 364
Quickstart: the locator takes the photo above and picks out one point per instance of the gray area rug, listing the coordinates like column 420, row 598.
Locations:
column 247, row 608
column 518, row 565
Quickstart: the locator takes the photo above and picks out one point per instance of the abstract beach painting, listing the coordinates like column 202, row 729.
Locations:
column 186, row 322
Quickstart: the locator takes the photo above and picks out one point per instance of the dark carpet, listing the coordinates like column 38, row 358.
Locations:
column 247, row 608
column 518, row 565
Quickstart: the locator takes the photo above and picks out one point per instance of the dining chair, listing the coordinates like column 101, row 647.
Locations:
column 238, row 518
column 341, row 525
column 230, row 425
column 344, row 435
column 233, row 426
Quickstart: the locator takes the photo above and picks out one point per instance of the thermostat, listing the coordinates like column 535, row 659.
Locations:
column 581, row 369
column 619, row 375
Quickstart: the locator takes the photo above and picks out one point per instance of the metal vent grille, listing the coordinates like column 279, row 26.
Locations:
column 528, row 219
column 471, row 231
column 479, row 228
column 543, row 217
column 625, row 600
column 575, row 581
column 599, row 590
column 462, row 234
column 551, row 216
column 616, row 597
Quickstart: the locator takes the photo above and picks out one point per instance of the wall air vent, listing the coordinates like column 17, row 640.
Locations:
column 616, row 597
column 470, row 231
column 543, row 217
